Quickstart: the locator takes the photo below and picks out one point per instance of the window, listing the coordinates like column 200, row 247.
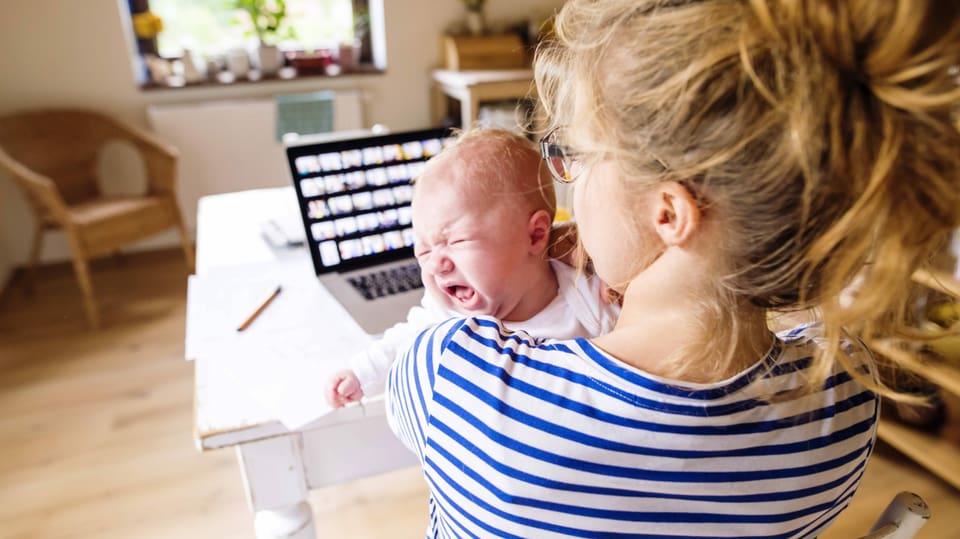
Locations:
column 203, row 41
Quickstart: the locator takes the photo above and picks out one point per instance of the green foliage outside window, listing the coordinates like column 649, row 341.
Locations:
column 213, row 27
column 266, row 19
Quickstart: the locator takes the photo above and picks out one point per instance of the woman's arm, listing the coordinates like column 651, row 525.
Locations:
column 410, row 385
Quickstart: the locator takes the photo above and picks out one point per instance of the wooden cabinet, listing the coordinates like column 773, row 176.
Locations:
column 936, row 453
column 499, row 51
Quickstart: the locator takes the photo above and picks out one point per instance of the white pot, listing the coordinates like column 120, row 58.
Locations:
column 269, row 60
column 348, row 56
column 193, row 70
column 238, row 62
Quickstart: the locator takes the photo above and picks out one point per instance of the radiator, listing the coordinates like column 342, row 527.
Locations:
column 233, row 145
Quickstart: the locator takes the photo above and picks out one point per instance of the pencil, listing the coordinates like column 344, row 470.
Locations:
column 246, row 323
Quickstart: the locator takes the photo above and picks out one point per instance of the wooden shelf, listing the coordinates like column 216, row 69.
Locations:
column 946, row 376
column 938, row 280
column 929, row 450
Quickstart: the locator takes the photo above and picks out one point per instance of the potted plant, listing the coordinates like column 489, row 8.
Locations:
column 475, row 22
column 266, row 18
column 351, row 53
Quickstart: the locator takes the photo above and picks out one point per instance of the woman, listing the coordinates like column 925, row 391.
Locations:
column 732, row 159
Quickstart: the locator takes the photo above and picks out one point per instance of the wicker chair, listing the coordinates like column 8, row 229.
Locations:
column 52, row 157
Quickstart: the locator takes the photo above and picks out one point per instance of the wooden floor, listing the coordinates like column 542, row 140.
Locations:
column 95, row 429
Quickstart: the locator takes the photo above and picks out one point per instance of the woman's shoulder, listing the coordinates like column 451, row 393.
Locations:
column 810, row 336
column 801, row 352
column 485, row 330
column 487, row 338
column 806, row 333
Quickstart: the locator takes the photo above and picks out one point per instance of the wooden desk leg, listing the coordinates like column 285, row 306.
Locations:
column 276, row 487
column 438, row 104
column 469, row 110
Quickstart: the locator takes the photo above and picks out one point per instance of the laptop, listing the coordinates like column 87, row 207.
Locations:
column 355, row 196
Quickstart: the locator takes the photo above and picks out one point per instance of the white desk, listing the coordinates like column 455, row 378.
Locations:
column 471, row 88
column 278, row 465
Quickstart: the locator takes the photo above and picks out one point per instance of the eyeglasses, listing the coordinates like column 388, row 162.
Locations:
column 564, row 164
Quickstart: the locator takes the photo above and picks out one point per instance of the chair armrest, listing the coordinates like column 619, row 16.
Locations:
column 39, row 189
column 159, row 157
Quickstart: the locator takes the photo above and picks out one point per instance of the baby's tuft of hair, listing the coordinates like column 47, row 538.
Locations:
column 496, row 166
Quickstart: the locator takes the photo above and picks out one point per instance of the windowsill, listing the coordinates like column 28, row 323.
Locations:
column 263, row 81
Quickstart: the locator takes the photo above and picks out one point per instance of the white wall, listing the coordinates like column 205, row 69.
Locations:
column 76, row 53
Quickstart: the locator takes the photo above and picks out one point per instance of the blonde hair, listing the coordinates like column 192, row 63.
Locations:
column 503, row 167
column 818, row 133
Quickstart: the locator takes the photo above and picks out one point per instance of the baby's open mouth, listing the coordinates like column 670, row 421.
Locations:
column 461, row 293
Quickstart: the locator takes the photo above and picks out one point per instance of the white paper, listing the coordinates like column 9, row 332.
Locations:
column 284, row 357
column 286, row 373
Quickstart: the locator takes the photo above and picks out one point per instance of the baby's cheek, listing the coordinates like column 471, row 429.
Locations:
column 428, row 282
column 435, row 290
column 476, row 262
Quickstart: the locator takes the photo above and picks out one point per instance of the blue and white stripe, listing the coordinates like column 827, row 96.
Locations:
column 524, row 437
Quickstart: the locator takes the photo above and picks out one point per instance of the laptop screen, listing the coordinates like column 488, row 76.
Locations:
column 355, row 196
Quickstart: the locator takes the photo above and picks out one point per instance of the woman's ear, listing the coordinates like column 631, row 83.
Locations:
column 538, row 232
column 676, row 213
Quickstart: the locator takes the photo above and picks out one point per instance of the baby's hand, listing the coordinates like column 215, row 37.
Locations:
column 342, row 388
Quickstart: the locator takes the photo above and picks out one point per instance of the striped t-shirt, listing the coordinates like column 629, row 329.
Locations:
column 524, row 437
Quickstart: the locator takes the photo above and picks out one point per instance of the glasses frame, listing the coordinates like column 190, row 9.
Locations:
column 549, row 149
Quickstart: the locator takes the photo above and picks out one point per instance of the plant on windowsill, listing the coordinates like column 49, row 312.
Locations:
column 266, row 18
column 475, row 20
column 353, row 52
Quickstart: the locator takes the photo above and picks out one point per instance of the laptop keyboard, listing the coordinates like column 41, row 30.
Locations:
column 387, row 282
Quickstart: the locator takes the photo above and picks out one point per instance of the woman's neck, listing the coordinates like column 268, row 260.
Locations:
column 669, row 319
